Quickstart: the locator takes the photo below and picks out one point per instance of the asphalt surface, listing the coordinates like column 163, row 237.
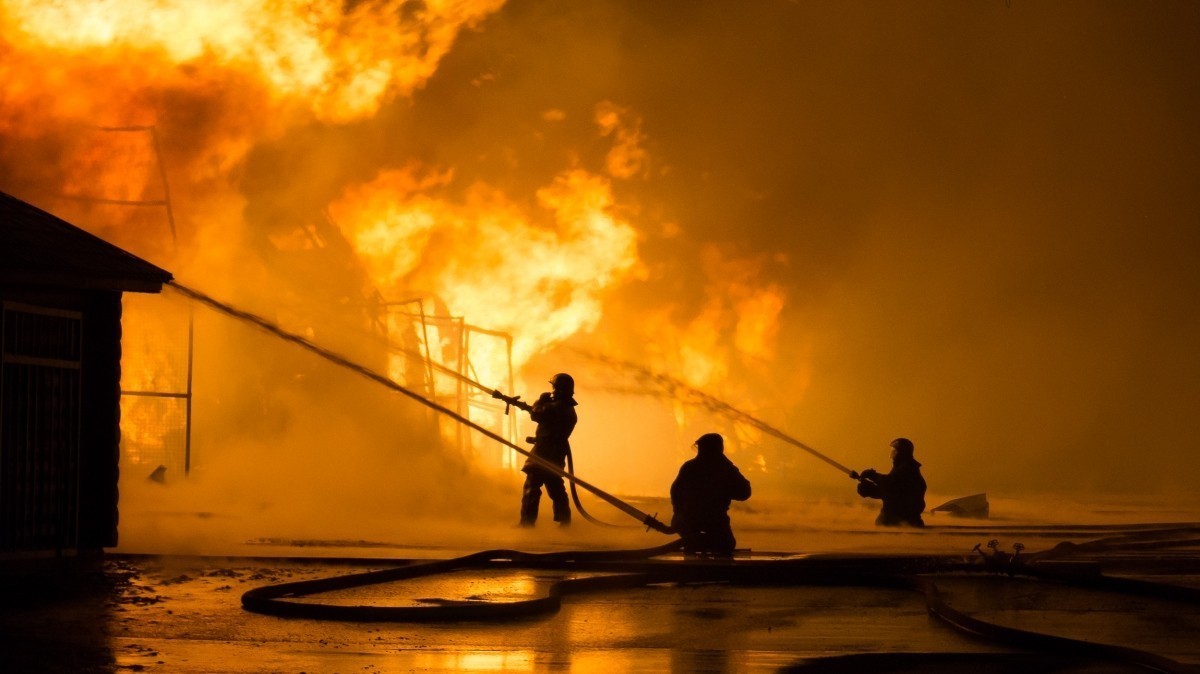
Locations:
column 183, row 614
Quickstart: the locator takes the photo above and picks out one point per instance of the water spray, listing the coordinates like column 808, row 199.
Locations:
column 337, row 359
column 679, row 389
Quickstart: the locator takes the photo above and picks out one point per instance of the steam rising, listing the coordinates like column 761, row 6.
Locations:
column 967, row 224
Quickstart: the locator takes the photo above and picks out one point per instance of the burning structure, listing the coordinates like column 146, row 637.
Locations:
column 971, row 224
column 61, row 289
column 602, row 177
column 358, row 235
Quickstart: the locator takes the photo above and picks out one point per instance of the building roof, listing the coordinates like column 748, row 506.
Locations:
column 37, row 248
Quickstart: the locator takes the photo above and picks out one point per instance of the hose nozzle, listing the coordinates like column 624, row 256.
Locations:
column 652, row 522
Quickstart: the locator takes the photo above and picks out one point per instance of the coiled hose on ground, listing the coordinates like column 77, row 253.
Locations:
column 624, row 569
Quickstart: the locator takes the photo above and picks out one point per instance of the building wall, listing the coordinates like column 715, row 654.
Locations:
column 101, row 421
column 59, row 419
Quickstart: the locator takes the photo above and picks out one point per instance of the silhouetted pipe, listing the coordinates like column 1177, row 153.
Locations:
column 337, row 359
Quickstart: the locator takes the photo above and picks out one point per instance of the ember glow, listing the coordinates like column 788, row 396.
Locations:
column 541, row 276
column 965, row 224
column 341, row 64
column 137, row 109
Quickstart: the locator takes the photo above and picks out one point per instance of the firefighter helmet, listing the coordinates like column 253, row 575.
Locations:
column 710, row 442
column 563, row 383
column 903, row 446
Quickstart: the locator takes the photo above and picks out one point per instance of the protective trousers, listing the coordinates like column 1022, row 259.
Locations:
column 531, row 496
column 708, row 536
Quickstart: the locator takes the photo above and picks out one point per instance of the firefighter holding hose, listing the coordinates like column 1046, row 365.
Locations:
column 902, row 490
column 554, row 414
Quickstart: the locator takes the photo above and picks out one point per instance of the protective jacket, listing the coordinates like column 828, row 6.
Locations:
column 902, row 492
column 702, row 492
column 556, row 419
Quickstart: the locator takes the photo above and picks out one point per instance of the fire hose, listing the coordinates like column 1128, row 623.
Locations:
column 649, row 521
column 639, row 568
column 342, row 361
column 579, row 504
column 515, row 401
column 626, row 569
column 681, row 390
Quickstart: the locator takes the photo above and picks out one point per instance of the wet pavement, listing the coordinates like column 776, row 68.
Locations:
column 183, row 614
column 135, row 611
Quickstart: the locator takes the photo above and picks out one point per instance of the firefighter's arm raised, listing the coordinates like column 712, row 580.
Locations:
column 512, row 401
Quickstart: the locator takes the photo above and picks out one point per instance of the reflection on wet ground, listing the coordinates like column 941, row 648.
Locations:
column 183, row 614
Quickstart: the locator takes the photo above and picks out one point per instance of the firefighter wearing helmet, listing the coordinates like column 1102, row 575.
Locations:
column 902, row 490
column 554, row 414
column 700, row 499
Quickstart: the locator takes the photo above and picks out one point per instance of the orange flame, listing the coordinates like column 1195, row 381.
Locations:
column 738, row 322
column 627, row 158
column 342, row 65
column 228, row 74
column 540, row 276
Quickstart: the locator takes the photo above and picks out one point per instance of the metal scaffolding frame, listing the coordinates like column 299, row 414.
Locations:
column 468, row 397
column 165, row 204
column 465, row 399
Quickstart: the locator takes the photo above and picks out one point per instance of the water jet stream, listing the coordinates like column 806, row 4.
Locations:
column 337, row 359
column 681, row 390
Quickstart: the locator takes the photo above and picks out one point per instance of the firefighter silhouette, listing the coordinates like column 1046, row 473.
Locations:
column 902, row 490
column 554, row 413
column 700, row 498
